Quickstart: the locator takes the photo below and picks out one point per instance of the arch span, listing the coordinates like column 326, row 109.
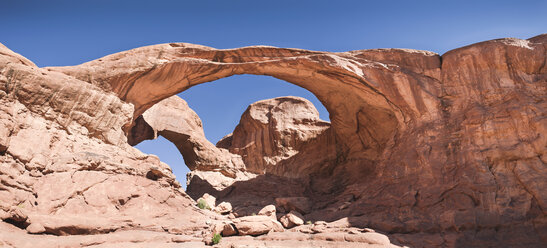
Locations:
column 371, row 95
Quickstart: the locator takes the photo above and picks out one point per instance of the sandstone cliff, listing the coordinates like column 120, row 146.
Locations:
column 66, row 168
column 434, row 150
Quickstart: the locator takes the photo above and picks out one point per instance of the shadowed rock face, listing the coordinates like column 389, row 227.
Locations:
column 436, row 150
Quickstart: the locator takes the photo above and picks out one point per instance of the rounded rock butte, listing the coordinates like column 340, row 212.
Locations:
column 435, row 150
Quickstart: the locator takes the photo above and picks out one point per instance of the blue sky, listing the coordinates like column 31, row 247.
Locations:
column 57, row 33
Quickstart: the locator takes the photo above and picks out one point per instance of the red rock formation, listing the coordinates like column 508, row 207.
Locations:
column 174, row 120
column 66, row 168
column 436, row 150
column 164, row 70
column 282, row 136
column 69, row 178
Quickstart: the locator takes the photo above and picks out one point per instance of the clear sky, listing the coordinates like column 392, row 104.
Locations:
column 57, row 33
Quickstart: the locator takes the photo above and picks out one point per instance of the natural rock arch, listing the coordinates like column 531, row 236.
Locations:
column 360, row 89
column 466, row 166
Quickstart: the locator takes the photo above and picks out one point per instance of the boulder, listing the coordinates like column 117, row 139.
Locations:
column 269, row 211
column 35, row 228
column 368, row 238
column 224, row 208
column 292, row 219
column 229, row 229
column 257, row 225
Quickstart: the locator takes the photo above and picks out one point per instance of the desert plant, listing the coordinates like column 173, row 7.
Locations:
column 216, row 238
column 308, row 222
column 202, row 204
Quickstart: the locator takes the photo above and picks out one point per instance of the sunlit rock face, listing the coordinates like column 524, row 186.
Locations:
column 282, row 136
column 66, row 168
column 174, row 120
column 435, row 150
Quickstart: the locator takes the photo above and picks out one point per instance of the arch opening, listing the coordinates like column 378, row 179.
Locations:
column 363, row 118
column 354, row 88
column 220, row 103
column 295, row 122
column 168, row 153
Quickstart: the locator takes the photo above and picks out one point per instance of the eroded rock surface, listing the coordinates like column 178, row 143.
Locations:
column 281, row 136
column 67, row 169
column 69, row 177
column 468, row 150
column 174, row 120
column 437, row 151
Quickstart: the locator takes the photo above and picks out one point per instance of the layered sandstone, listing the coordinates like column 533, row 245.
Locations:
column 66, row 168
column 435, row 150
column 70, row 178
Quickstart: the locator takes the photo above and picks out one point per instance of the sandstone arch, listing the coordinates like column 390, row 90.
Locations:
column 360, row 89
column 466, row 166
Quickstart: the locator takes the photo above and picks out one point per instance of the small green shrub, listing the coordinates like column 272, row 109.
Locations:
column 216, row 238
column 253, row 214
column 308, row 222
column 202, row 204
